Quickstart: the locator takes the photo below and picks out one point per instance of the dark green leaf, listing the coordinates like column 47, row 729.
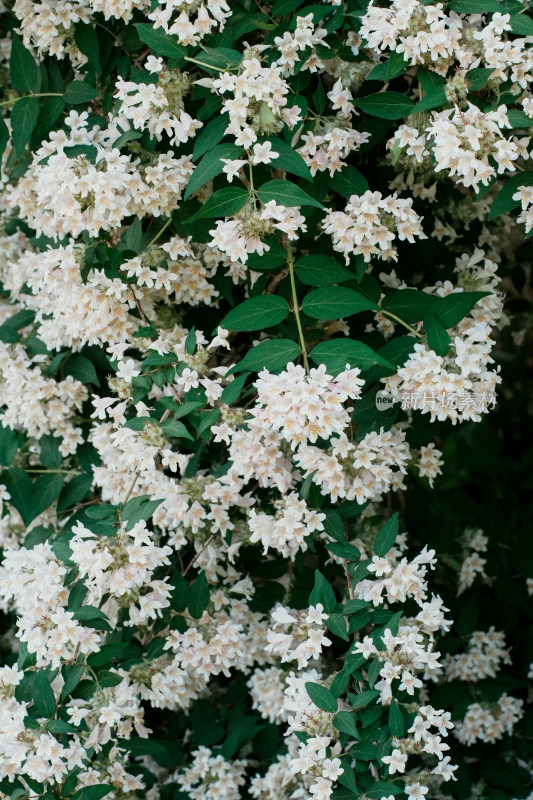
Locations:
column 396, row 720
column 210, row 166
column 80, row 368
column 322, row 593
column 456, row 306
column 74, row 491
column 44, row 702
column 159, row 42
column 322, row 697
column 23, row 121
column 337, row 625
column 478, row 77
column 289, row 160
column 257, row 313
column 474, row 6
column 93, row 792
column 386, row 536
column 4, row 139
column 79, row 92
column 386, row 105
column 175, row 428
column 336, row 302
column 347, row 181
column 321, row 271
column 72, row 675
column 273, row 355
column 198, row 597
column 22, row 67
column 345, row 722
column 210, row 136
column 286, row 193
column 337, row 353
column 86, row 39
column 504, row 201
column 410, row 305
column 438, row 337
column 223, row 203
column 521, row 24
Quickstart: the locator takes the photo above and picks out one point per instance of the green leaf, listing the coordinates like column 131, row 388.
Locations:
column 272, row 259
column 519, row 119
column 396, row 720
column 44, row 702
column 137, row 509
column 334, row 303
column 80, row 368
column 383, row 789
column 108, row 678
column 4, row 139
column 31, row 498
column 385, row 105
column 521, row 25
column 398, row 350
column 363, row 698
column 504, row 200
column 337, row 625
column 74, row 491
column 345, row 722
column 344, row 550
column 9, row 444
column 79, row 92
column 288, row 159
column 474, row 7
column 22, row 67
column 220, row 59
column 198, row 597
column 433, row 99
column 24, row 118
column 410, row 305
column 257, row 313
column 478, row 77
column 85, row 613
column 210, row 166
column 322, row 697
column 93, row 792
column 223, row 203
column 347, row 181
column 159, row 42
column 317, row 270
column 353, row 606
column 175, row 428
column 286, row 194
column 438, row 337
column 210, row 136
column 273, row 355
column 72, row 675
column 454, row 307
column 336, row 353
column 59, row 726
column 86, row 40
column 323, row 593
column 233, row 390
column 386, row 536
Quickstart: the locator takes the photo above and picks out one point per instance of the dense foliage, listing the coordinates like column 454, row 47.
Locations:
column 264, row 316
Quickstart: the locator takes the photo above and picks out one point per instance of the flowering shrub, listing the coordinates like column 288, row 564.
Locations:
column 264, row 303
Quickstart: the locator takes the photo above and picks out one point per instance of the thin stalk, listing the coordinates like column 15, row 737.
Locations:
column 158, row 234
column 402, row 322
column 296, row 309
column 16, row 99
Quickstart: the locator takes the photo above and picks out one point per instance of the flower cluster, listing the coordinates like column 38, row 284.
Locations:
column 369, row 225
